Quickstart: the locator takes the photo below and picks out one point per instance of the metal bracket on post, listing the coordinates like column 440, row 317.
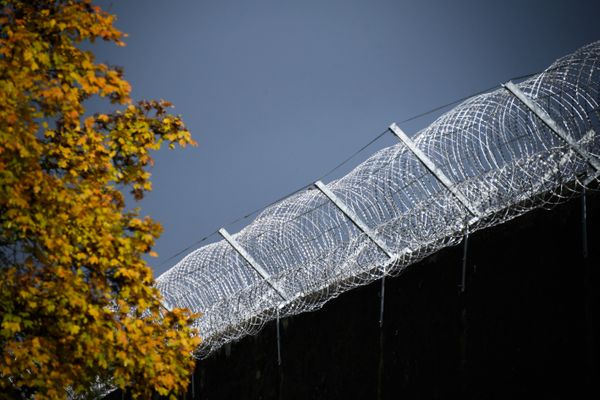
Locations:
column 353, row 217
column 554, row 127
column 437, row 172
column 366, row 230
column 255, row 265
column 567, row 156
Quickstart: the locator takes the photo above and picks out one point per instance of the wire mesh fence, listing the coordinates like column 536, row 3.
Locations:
column 500, row 155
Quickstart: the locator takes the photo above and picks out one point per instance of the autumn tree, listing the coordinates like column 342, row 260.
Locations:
column 77, row 301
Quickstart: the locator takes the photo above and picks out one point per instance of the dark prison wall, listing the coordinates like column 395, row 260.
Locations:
column 527, row 325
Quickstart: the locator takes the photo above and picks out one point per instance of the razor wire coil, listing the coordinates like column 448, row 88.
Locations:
column 496, row 152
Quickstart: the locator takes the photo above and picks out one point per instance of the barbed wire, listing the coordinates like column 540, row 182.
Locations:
column 493, row 157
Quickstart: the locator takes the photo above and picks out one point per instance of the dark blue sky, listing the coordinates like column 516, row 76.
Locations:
column 278, row 92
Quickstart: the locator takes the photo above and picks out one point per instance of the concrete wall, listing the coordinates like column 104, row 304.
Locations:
column 528, row 324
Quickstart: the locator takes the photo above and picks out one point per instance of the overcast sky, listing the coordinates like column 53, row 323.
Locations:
column 278, row 92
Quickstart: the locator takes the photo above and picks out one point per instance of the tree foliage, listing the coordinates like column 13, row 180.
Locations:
column 77, row 301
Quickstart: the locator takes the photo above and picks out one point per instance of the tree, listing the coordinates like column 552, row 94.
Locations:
column 77, row 301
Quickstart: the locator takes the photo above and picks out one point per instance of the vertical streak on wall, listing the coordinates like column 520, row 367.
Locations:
column 463, row 311
column 590, row 295
column 584, row 235
column 381, row 302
